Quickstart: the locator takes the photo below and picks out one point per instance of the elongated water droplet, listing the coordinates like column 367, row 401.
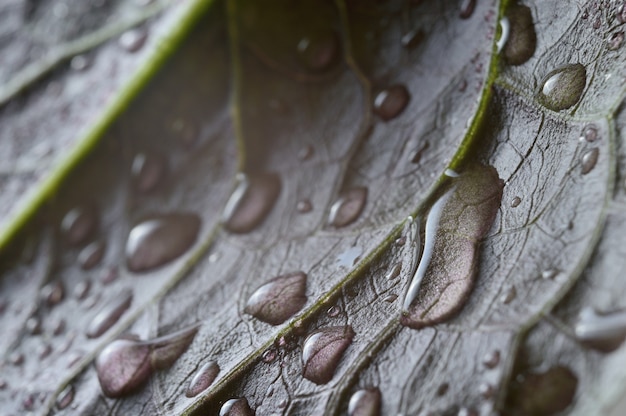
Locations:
column 544, row 394
column 319, row 52
column 203, row 378
column 236, row 407
column 125, row 365
column 322, row 351
column 391, row 102
column 413, row 38
column 588, row 160
column 522, row 40
column 454, row 227
column 90, row 256
column 505, row 31
column 33, row 325
column 159, row 240
column 365, row 402
column 394, row 272
column 251, row 202
column 601, row 331
column 304, row 206
column 516, row 201
column 66, row 397
column 563, row 87
column 81, row 290
column 79, row 224
column 467, row 8
column 279, row 299
column 348, row 207
column 133, row 40
column 110, row 314
column 148, row 170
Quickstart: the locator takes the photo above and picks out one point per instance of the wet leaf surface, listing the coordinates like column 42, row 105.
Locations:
column 320, row 207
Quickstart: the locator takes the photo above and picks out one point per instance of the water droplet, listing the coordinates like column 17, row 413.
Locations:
column 467, row 8
column 90, row 256
column 486, row 390
column 543, row 394
column 269, row 355
column 333, row 311
column 109, row 275
column 588, row 160
column 563, row 87
column 133, row 40
column 589, row 133
column 79, row 224
column 394, row 272
column 516, row 201
column 451, row 173
column 597, row 22
column 348, row 207
column 549, row 274
column 601, row 331
column 44, row 351
column 148, row 171
column 322, row 351
column 109, row 314
column 125, row 365
column 79, row 63
column 251, row 202
column 508, row 296
column 16, row 358
column 33, row 325
column 58, row 326
column 417, row 155
column 464, row 411
column 391, row 102
column 456, row 222
column 492, row 359
column 65, row 397
column 52, row 293
column 615, row 41
column 620, row 13
column 413, row 38
column 304, row 206
column 320, row 52
column 365, row 402
column 81, row 290
column 159, row 240
column 390, row 298
column 236, row 407
column 442, row 389
column 522, row 40
column 279, row 299
column 202, row 379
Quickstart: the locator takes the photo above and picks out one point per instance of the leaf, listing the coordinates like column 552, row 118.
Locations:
column 282, row 177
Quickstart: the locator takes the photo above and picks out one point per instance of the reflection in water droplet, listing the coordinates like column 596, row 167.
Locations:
column 391, row 102
column 58, row 326
column 413, row 38
column 516, row 201
column 505, row 29
column 52, row 293
column 279, row 299
column 65, row 397
column 148, row 170
column 319, row 52
column 236, row 407
column 333, row 311
column 522, row 40
column 79, row 224
column 159, row 240
column 304, row 206
column 589, row 133
column 601, row 331
column 588, row 160
column 90, row 256
column 467, row 8
column 615, row 41
column 455, row 224
column 350, row 257
column 543, row 394
column 133, row 40
column 125, row 365
column 252, row 200
column 202, row 379
column 322, row 351
column 563, row 87
column 365, row 402
column 348, row 207
column 109, row 314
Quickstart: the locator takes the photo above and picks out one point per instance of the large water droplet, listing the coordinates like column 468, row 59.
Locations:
column 66, row 397
column 90, row 256
column 279, row 299
column 390, row 102
column 522, row 40
column 365, row 402
column 319, row 52
column 159, row 240
column 236, row 407
column 601, row 331
column 79, row 224
column 322, row 351
column 251, row 201
column 125, row 365
column 544, row 394
column 110, row 314
column 456, row 223
column 202, row 379
column 563, row 87
column 148, row 170
column 588, row 160
column 348, row 207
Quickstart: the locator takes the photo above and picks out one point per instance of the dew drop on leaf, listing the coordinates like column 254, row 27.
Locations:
column 467, row 8
column 147, row 171
column 202, row 379
column 279, row 299
column 33, row 325
column 236, row 407
column 322, row 351
column 588, row 160
column 160, row 239
column 413, row 38
column 486, row 390
column 601, row 331
column 508, row 296
column 562, row 87
column 66, row 397
column 492, row 359
column 90, row 255
column 390, row 102
column 269, row 355
column 522, row 40
column 365, row 402
column 516, row 201
column 79, row 224
column 109, row 314
column 81, row 290
column 251, row 201
column 348, row 207
column 333, row 311
column 304, row 206
column 394, row 271
column 79, row 63
column 590, row 133
column 546, row 393
column 319, row 52
column 133, row 40
column 615, row 41
column 52, row 293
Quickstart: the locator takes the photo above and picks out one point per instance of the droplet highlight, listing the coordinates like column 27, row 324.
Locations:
column 391, row 102
column 202, row 379
column 365, row 402
column 66, row 397
column 563, row 87
column 348, row 207
column 251, row 202
column 279, row 299
column 322, row 352
column 109, row 314
column 601, row 331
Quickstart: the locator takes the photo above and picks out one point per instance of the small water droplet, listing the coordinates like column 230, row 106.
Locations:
column 508, row 296
column 589, row 133
column 522, row 40
column 304, row 206
column 451, row 173
column 348, row 207
column 81, row 290
column 365, row 402
column 391, row 102
column 125, row 365
column 467, row 8
column 597, row 22
column 394, row 272
column 549, row 274
column 252, row 200
column 44, row 351
column 133, row 40
column 79, row 224
column 148, row 171
column 486, row 390
column 160, row 239
column 615, row 41
column 52, row 293
column 417, row 155
column 109, row 314
column 236, row 407
column 563, row 87
column 545, row 393
column 588, row 160
column 516, row 201
column 202, row 379
column 319, row 52
column 620, row 13
column 492, row 359
column 601, row 331
column 279, row 299
column 322, row 351
column 333, row 311
column 109, row 275
column 16, row 358
column 413, row 38
column 90, row 256
column 79, row 63
column 58, row 326
column 442, row 389
column 66, row 397
column 33, row 325
column 390, row 298
column 269, row 355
